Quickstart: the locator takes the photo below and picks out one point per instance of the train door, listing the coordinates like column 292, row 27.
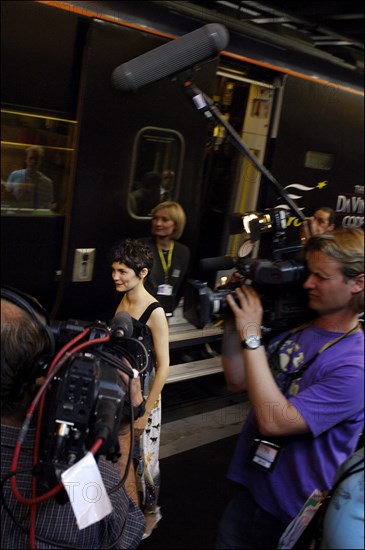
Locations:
column 231, row 182
column 255, row 135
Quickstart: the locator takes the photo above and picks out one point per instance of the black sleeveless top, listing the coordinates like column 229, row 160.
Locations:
column 142, row 333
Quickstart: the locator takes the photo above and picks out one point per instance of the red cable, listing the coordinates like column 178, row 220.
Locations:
column 57, row 488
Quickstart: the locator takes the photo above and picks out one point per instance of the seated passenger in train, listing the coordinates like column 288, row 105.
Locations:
column 146, row 195
column 167, row 185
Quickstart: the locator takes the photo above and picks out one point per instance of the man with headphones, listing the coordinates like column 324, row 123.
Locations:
column 26, row 344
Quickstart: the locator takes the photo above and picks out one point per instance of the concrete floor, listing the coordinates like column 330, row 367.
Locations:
column 192, row 431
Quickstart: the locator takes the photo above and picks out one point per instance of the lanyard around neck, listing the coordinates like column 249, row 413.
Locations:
column 166, row 266
column 298, row 374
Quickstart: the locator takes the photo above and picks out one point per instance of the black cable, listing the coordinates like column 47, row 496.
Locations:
column 118, row 346
column 131, row 447
column 115, row 361
column 6, row 507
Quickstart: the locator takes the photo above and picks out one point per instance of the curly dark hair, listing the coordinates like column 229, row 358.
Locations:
column 134, row 254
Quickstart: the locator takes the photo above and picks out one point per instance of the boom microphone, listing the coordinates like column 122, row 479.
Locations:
column 171, row 58
column 122, row 325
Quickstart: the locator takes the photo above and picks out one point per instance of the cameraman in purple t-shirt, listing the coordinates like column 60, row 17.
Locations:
column 306, row 392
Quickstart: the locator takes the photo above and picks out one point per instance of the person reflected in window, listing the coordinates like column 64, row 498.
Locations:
column 29, row 186
column 167, row 184
column 146, row 195
column 171, row 258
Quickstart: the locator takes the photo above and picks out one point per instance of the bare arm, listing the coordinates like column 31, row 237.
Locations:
column 160, row 335
column 232, row 359
column 135, row 395
column 275, row 415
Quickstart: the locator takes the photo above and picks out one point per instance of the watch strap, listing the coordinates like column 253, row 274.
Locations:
column 137, row 411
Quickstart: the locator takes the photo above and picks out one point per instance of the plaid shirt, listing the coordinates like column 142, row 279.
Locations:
column 56, row 523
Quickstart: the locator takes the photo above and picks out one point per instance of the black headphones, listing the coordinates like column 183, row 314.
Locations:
column 36, row 312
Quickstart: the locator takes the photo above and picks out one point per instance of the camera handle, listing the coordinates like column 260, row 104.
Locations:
column 205, row 104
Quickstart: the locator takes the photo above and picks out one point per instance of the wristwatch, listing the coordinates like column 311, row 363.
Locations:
column 251, row 342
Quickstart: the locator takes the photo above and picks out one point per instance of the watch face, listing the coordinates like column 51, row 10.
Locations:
column 253, row 342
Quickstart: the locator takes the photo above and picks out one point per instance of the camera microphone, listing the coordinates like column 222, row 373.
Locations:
column 121, row 325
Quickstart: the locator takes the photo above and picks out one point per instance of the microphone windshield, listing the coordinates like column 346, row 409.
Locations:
column 171, row 58
column 122, row 325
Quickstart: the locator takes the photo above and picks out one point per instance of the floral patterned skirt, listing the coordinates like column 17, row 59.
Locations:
column 146, row 453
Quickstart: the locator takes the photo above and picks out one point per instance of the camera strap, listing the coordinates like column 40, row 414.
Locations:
column 291, row 376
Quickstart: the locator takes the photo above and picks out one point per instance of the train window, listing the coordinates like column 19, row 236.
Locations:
column 36, row 158
column 158, row 155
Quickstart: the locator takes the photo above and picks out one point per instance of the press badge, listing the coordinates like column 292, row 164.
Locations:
column 164, row 290
column 264, row 454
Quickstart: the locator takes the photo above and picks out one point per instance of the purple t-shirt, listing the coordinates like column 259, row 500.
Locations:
column 330, row 397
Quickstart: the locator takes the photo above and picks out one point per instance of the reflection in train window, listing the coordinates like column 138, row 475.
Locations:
column 36, row 160
column 158, row 155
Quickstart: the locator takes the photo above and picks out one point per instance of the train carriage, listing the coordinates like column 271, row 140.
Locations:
column 300, row 116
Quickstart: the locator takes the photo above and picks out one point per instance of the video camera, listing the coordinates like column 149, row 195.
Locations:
column 87, row 397
column 278, row 279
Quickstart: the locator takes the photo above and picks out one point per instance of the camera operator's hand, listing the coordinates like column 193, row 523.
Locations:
column 249, row 313
column 310, row 227
column 235, row 277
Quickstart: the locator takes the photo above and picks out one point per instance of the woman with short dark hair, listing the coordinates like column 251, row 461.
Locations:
column 132, row 262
